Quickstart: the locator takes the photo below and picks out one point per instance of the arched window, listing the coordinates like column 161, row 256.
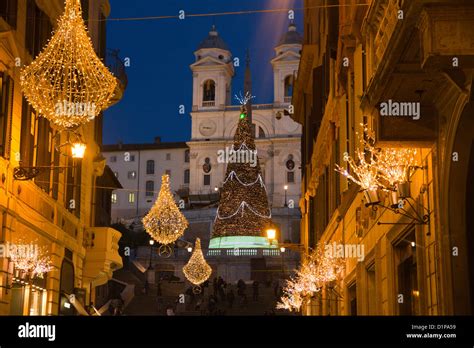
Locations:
column 150, row 167
column 288, row 88
column 209, row 93
column 258, row 131
column 150, row 188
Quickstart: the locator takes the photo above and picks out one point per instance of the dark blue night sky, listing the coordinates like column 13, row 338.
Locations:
column 160, row 51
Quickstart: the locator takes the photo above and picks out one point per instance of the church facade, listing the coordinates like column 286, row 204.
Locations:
column 277, row 136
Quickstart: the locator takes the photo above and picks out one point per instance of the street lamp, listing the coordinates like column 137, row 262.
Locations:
column 190, row 249
column 151, row 251
column 286, row 189
column 271, row 234
column 282, row 249
column 78, row 149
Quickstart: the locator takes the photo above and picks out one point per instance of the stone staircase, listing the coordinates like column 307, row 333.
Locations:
column 151, row 304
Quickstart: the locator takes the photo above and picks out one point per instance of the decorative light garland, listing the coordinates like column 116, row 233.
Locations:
column 165, row 223
column 233, row 175
column 365, row 170
column 197, row 270
column 67, row 83
column 394, row 164
column 34, row 263
column 384, row 168
column 317, row 269
column 241, row 209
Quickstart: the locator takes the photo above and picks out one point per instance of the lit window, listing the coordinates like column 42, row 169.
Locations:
column 132, row 175
column 131, row 197
column 150, row 188
column 114, row 198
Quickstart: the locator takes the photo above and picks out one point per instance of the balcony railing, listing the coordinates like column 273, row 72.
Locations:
column 116, row 66
column 143, row 253
column 207, row 104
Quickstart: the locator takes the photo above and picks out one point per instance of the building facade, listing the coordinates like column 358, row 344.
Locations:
column 62, row 210
column 357, row 59
column 195, row 167
column 139, row 168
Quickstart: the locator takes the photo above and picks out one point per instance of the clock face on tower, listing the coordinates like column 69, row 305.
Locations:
column 207, row 128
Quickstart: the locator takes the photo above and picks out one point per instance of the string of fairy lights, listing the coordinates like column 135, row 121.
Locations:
column 30, row 259
column 219, row 14
column 197, row 270
column 378, row 168
column 317, row 269
column 164, row 222
column 67, row 83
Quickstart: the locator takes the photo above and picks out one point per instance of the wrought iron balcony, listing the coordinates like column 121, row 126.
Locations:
column 117, row 67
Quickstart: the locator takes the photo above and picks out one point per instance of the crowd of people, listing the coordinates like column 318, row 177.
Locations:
column 218, row 297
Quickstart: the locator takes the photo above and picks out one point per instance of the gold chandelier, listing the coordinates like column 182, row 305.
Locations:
column 165, row 223
column 67, row 83
column 197, row 270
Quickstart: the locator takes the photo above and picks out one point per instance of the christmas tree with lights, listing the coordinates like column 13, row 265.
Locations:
column 243, row 213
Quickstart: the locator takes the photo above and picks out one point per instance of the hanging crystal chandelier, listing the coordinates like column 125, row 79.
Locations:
column 67, row 83
column 197, row 270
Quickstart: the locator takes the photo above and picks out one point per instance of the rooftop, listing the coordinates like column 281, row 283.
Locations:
column 291, row 37
column 213, row 41
column 138, row 147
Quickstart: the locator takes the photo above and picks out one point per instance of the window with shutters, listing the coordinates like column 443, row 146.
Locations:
column 85, row 10
column 102, row 35
column 8, row 11
column 73, row 186
column 38, row 28
column 27, row 137
column 6, row 100
column 43, row 154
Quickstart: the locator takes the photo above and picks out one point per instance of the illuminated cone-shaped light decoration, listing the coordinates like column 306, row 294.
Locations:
column 197, row 270
column 67, row 83
column 165, row 223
